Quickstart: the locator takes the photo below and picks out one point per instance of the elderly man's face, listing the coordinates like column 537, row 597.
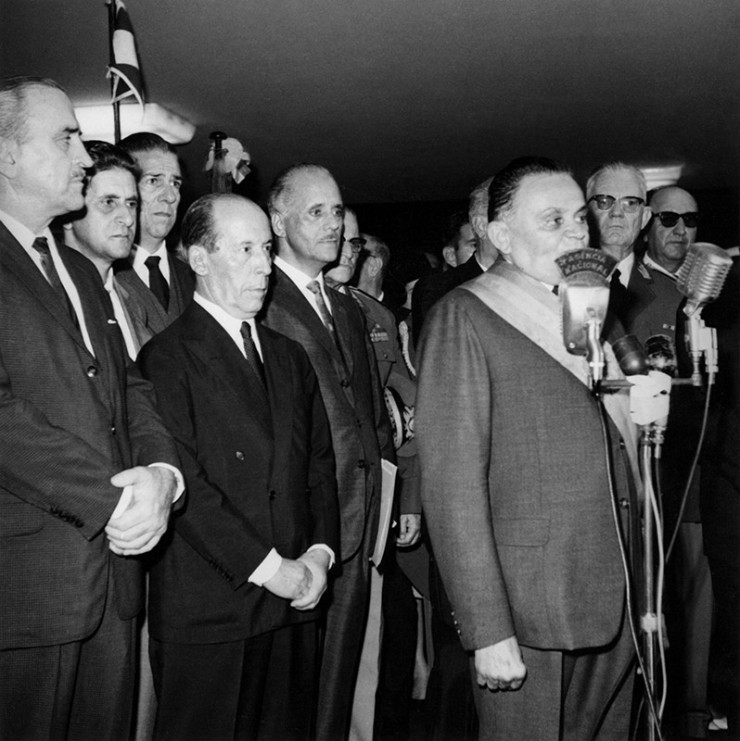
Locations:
column 619, row 223
column 159, row 189
column 667, row 245
column 50, row 162
column 106, row 232
column 235, row 275
column 547, row 219
column 310, row 221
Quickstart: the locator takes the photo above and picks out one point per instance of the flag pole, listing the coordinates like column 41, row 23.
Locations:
column 116, row 104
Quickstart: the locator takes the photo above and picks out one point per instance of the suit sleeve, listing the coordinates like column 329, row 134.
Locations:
column 52, row 468
column 322, row 482
column 210, row 523
column 453, row 427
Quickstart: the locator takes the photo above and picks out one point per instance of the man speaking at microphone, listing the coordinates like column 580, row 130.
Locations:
column 515, row 483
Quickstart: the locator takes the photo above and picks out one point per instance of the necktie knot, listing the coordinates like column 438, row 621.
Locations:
column 152, row 262
column 41, row 246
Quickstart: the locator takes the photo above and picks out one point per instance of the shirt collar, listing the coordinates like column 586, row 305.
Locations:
column 298, row 276
column 140, row 254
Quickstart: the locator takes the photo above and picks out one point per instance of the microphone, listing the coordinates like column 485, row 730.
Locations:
column 649, row 386
column 584, row 300
column 702, row 275
column 700, row 278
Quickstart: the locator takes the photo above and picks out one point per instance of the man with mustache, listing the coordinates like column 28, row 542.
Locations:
column 232, row 612
column 86, row 476
column 159, row 284
column 307, row 214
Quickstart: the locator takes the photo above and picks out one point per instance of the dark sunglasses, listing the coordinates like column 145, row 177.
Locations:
column 629, row 204
column 670, row 218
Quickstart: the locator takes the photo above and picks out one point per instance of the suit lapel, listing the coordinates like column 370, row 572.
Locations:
column 17, row 261
column 208, row 340
column 281, row 393
column 297, row 305
column 342, row 324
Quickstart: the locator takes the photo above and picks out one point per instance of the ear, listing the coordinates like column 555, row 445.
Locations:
column 278, row 224
column 449, row 256
column 498, row 234
column 479, row 224
column 8, row 156
column 198, row 259
column 647, row 214
column 375, row 265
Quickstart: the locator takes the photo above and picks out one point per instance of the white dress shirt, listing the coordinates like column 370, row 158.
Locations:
column 140, row 257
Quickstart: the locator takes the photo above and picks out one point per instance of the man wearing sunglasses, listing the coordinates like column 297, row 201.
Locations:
column 653, row 318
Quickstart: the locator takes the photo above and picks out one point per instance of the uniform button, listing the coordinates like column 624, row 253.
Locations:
column 344, row 383
column 239, row 455
column 112, row 429
column 92, row 371
column 624, row 504
column 361, row 463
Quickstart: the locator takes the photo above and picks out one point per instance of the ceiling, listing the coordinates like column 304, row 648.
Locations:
column 416, row 100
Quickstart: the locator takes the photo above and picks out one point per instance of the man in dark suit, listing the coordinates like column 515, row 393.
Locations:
column 470, row 253
column 306, row 211
column 234, row 591
column 104, row 231
column 159, row 284
column 514, row 483
column 617, row 200
column 86, row 477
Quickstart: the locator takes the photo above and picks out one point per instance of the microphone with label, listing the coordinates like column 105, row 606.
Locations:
column 700, row 278
column 584, row 299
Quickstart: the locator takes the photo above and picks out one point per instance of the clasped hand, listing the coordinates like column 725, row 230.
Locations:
column 303, row 580
column 140, row 518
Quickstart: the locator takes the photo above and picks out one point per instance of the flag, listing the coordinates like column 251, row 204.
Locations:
column 125, row 66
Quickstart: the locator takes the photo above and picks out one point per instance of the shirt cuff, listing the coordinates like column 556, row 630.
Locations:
column 267, row 569
column 178, row 476
column 323, row 547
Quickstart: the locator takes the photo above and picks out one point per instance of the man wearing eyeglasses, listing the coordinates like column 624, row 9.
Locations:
column 616, row 194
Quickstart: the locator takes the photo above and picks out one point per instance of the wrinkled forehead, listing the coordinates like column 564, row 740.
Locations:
column 618, row 183
column 157, row 162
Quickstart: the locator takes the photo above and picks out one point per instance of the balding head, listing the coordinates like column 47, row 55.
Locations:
column 670, row 236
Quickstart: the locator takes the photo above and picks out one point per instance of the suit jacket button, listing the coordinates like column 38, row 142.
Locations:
column 344, row 383
column 239, row 455
column 112, row 429
column 273, row 494
column 91, row 371
column 361, row 463
column 624, row 504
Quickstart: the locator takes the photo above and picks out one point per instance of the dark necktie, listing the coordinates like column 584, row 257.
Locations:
column 47, row 263
column 253, row 356
column 157, row 283
column 315, row 288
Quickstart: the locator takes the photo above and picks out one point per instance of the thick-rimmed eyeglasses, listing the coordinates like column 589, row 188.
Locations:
column 357, row 243
column 670, row 218
column 628, row 204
